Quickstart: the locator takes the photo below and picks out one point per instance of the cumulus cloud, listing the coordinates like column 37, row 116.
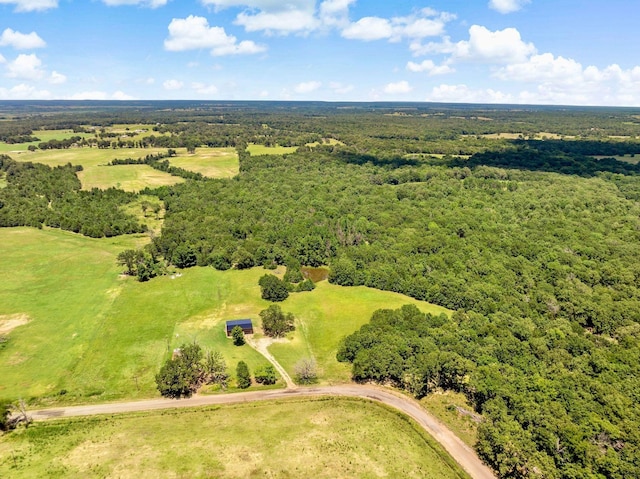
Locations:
column 401, row 87
column 204, row 89
column 172, row 85
column 89, row 95
column 307, row 87
column 122, row 96
column 2, row 59
column 31, row 5
column 193, row 33
column 507, row 6
column 501, row 46
column 57, row 78
column 430, row 68
column 142, row 3
column 21, row 41
column 426, row 23
column 24, row 92
column 25, row 67
column 335, row 13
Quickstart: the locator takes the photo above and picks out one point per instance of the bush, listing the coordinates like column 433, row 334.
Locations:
column 266, row 375
column 306, row 371
column 243, row 377
column 306, row 285
column 273, row 289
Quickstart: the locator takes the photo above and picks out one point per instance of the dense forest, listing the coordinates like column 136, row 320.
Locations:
column 532, row 241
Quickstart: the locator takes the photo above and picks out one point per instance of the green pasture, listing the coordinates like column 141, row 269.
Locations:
column 257, row 150
column 319, row 438
column 326, row 315
column 87, row 157
column 94, row 335
column 210, row 162
column 44, row 136
column 125, row 177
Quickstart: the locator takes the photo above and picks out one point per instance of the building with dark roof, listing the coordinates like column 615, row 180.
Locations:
column 245, row 324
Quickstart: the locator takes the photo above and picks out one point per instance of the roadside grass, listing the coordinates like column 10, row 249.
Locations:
column 454, row 410
column 257, row 150
column 94, row 335
column 320, row 438
column 125, row 177
column 210, row 162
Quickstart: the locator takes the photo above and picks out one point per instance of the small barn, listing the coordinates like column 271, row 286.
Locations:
column 245, row 324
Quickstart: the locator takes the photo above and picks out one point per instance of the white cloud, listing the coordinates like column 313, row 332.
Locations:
column 335, row 13
column 31, row 5
column 193, row 33
column 507, row 6
column 57, row 78
column 21, row 41
column 173, row 85
column 368, row 29
column 25, row 67
column 2, row 59
column 501, row 46
column 425, row 23
column 430, row 67
column 23, row 92
column 464, row 94
column 307, row 87
column 204, row 89
column 281, row 22
column 144, row 3
column 122, row 96
column 401, row 87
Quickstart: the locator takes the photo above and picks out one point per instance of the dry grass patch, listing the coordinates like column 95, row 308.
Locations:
column 9, row 322
column 126, row 177
column 210, row 162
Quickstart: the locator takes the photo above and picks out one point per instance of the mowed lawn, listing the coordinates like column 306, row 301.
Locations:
column 94, row 335
column 321, row 438
column 210, row 162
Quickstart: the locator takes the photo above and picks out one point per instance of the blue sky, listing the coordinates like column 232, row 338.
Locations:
column 564, row 52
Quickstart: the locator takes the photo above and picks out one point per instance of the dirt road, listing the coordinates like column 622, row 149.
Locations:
column 464, row 455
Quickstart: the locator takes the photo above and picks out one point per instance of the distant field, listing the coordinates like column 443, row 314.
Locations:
column 43, row 135
column 321, row 438
column 634, row 160
column 210, row 162
column 125, row 177
column 104, row 337
column 257, row 150
column 326, row 141
column 87, row 157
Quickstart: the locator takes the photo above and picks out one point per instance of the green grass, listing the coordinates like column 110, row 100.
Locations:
column 455, row 411
column 125, row 177
column 44, row 136
column 210, row 162
column 257, row 150
column 87, row 157
column 322, row 438
column 326, row 315
column 100, row 336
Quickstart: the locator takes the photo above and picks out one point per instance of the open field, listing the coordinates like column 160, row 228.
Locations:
column 257, row 150
column 634, row 160
column 125, row 177
column 325, row 316
column 296, row 438
column 87, row 157
column 210, row 162
column 97, row 336
column 43, row 136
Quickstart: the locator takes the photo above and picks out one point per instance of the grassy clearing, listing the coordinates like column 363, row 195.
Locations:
column 326, row 141
column 323, row 438
column 634, row 160
column 87, row 157
column 210, row 162
column 257, row 150
column 44, row 136
column 125, row 177
column 99, row 336
column 325, row 316
column 147, row 217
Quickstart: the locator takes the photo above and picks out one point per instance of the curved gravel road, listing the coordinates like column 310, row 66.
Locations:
column 463, row 454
